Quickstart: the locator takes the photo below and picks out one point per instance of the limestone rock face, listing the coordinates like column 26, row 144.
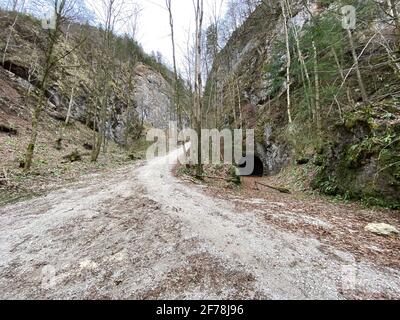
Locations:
column 145, row 103
column 251, row 71
column 152, row 104
column 242, row 63
column 382, row 229
column 153, row 97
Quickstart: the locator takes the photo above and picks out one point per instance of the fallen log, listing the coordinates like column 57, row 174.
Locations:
column 232, row 179
column 213, row 177
column 281, row 190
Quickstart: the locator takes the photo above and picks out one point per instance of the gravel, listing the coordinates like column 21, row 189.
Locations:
column 140, row 233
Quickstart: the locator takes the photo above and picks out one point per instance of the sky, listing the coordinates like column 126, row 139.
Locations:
column 153, row 27
column 154, row 30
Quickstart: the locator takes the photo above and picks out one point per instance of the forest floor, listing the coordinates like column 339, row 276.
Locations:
column 139, row 232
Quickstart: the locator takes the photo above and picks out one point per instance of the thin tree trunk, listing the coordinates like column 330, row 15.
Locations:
column 176, row 78
column 61, row 137
column 288, row 62
column 107, row 69
column 304, row 70
column 317, row 90
column 348, row 94
column 71, row 102
column 357, row 67
column 233, row 104
column 35, row 128
column 198, row 82
column 240, row 106
column 9, row 38
column 396, row 17
column 101, row 130
column 53, row 36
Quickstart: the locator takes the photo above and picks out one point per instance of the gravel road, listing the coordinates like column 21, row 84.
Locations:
column 140, row 233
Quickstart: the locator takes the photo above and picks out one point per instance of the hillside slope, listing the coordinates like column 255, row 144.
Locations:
column 346, row 146
column 141, row 98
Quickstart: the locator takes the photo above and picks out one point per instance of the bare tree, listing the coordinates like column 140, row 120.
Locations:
column 303, row 66
column 357, row 67
column 198, row 85
column 288, row 59
column 14, row 8
column 62, row 10
column 317, row 89
column 213, row 47
column 396, row 16
column 168, row 4
column 391, row 9
column 111, row 14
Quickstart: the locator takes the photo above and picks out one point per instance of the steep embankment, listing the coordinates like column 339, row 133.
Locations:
column 347, row 145
column 141, row 85
column 141, row 96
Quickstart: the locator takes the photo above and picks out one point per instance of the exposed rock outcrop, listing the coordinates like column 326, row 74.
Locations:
column 356, row 160
column 148, row 103
column 153, row 97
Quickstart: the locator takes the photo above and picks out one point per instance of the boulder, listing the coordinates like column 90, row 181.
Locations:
column 382, row 229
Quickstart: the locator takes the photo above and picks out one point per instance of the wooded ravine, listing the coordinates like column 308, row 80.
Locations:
column 85, row 214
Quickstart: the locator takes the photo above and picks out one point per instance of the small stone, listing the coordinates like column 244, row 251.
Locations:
column 382, row 229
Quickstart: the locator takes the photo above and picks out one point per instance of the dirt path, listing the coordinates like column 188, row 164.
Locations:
column 140, row 233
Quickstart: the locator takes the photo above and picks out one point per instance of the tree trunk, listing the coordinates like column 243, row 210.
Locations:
column 348, row 93
column 233, row 104
column 67, row 118
column 35, row 128
column 101, row 132
column 240, row 105
column 357, row 67
column 288, row 62
column 9, row 39
column 198, row 82
column 317, row 90
column 71, row 102
column 176, row 78
column 53, row 37
column 305, row 75
column 396, row 17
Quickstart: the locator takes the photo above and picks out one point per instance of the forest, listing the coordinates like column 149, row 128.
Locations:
column 308, row 91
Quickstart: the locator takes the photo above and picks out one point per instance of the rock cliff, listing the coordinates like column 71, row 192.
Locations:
column 145, row 101
column 355, row 150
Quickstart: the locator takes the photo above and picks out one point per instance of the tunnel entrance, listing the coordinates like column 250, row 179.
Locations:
column 258, row 170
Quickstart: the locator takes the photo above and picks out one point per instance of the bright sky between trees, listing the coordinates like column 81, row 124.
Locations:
column 153, row 27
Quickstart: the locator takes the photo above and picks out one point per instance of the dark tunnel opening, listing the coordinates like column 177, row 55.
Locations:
column 258, row 170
